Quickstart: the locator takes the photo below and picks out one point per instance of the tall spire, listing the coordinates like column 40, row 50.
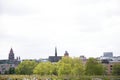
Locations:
column 11, row 54
column 56, row 51
column 11, row 51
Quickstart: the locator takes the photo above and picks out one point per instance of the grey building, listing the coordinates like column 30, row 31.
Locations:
column 11, row 62
column 108, row 54
column 55, row 58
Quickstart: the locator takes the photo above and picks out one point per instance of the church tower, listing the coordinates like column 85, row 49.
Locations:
column 55, row 51
column 11, row 55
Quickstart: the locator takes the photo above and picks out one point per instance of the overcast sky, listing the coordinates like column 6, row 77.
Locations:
column 82, row 27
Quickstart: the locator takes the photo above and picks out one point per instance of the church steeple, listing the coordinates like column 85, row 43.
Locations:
column 11, row 54
column 55, row 51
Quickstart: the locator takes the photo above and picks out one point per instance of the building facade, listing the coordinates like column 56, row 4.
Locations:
column 11, row 62
column 55, row 58
column 108, row 60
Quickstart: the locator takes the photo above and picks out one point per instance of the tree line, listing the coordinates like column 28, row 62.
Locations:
column 66, row 66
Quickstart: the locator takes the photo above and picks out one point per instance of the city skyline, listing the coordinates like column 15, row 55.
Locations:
column 56, row 54
column 82, row 27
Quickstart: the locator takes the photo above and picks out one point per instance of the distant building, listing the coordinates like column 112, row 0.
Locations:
column 66, row 54
column 37, row 60
column 43, row 60
column 54, row 58
column 11, row 62
column 83, row 58
column 109, row 66
column 109, row 60
column 108, row 54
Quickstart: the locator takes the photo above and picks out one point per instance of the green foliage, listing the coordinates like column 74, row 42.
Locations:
column 66, row 60
column 68, row 66
column 78, row 67
column 6, row 72
column 64, row 69
column 116, row 69
column 12, row 70
column 53, row 77
column 44, row 68
column 54, row 68
column 26, row 67
column 93, row 67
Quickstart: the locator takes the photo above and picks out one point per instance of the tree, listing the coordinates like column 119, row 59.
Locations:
column 93, row 67
column 64, row 69
column 54, row 69
column 11, row 70
column 78, row 68
column 26, row 67
column 66, row 60
column 116, row 69
column 44, row 68
column 67, row 66
column 64, row 66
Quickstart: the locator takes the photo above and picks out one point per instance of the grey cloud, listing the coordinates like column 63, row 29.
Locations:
column 90, row 29
column 89, row 24
column 15, row 8
column 115, row 12
column 113, row 9
column 91, row 1
column 1, row 6
column 93, row 20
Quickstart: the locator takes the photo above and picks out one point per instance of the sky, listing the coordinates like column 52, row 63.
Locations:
column 82, row 27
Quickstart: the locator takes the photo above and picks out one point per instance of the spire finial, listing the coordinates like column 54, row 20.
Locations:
column 11, row 54
column 11, row 50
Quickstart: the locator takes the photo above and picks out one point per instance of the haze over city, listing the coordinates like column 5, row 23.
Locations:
column 82, row 27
